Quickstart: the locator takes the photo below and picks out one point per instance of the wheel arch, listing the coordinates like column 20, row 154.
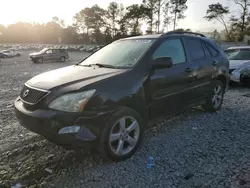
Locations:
column 223, row 79
column 136, row 102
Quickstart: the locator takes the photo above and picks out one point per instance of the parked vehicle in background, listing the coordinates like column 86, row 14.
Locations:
column 107, row 99
column 11, row 53
column 239, row 67
column 2, row 55
column 49, row 54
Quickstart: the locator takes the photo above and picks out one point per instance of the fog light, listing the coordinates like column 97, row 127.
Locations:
column 68, row 130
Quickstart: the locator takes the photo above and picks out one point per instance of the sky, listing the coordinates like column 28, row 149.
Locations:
column 42, row 11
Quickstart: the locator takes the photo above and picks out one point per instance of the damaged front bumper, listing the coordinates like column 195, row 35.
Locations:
column 70, row 130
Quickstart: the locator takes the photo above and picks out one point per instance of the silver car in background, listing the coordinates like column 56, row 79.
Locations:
column 11, row 53
column 239, row 67
column 49, row 54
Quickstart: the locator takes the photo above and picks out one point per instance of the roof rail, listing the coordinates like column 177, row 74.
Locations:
column 183, row 33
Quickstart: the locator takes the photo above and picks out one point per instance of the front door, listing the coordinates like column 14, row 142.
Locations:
column 47, row 55
column 169, row 87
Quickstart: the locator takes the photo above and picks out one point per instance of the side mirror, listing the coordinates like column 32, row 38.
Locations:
column 162, row 63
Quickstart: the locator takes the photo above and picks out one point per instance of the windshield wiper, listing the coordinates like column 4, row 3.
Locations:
column 99, row 65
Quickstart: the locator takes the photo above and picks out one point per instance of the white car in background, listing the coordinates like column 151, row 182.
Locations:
column 239, row 63
column 11, row 53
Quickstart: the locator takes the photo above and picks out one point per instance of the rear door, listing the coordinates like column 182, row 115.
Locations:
column 169, row 87
column 55, row 54
column 200, row 58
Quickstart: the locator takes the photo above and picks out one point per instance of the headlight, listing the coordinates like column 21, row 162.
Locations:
column 74, row 102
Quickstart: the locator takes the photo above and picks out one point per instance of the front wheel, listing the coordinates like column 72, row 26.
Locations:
column 122, row 135
column 215, row 98
column 39, row 60
column 62, row 59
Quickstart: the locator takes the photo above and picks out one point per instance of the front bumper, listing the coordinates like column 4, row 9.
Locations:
column 47, row 123
column 235, row 77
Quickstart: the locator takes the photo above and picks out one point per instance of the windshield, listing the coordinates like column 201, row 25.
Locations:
column 238, row 54
column 120, row 54
column 43, row 50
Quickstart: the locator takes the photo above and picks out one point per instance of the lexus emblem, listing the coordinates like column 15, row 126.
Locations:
column 25, row 94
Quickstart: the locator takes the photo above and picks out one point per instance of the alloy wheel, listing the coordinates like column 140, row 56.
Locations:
column 124, row 136
column 217, row 96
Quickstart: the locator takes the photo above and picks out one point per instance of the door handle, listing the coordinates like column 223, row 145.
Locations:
column 188, row 70
column 215, row 63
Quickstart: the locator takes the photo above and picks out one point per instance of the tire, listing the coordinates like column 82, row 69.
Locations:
column 215, row 98
column 62, row 59
column 18, row 55
column 5, row 56
column 39, row 60
column 128, row 140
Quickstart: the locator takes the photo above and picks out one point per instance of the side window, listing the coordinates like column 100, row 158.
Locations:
column 195, row 49
column 207, row 52
column 212, row 50
column 55, row 51
column 171, row 48
column 49, row 52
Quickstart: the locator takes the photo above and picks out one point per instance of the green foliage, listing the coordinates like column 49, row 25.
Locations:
column 177, row 8
column 97, row 25
column 218, row 12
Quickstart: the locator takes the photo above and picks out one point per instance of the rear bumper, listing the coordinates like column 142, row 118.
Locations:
column 47, row 123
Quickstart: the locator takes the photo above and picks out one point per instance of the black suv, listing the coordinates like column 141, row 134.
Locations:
column 107, row 99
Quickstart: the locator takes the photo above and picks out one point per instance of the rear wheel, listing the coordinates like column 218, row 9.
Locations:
column 122, row 135
column 62, row 59
column 215, row 98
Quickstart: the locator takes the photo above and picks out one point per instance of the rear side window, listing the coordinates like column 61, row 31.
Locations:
column 211, row 50
column 195, row 49
column 171, row 48
column 56, row 51
column 207, row 52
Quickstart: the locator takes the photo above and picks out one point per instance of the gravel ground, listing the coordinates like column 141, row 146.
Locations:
column 192, row 149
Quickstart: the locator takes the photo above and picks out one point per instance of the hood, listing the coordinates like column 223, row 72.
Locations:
column 234, row 64
column 71, row 75
column 35, row 53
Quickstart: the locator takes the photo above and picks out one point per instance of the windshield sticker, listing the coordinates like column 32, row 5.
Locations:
column 143, row 41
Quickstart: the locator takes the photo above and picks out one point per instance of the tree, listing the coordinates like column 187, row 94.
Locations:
column 90, row 18
column 150, row 9
column 122, row 22
column 112, row 14
column 218, row 12
column 177, row 8
column 58, row 21
column 181, row 29
column 159, row 6
column 167, row 17
column 135, row 13
column 242, row 22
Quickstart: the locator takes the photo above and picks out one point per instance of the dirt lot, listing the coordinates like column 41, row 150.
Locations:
column 193, row 149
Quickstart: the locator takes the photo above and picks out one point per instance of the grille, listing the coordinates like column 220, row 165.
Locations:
column 231, row 70
column 32, row 95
